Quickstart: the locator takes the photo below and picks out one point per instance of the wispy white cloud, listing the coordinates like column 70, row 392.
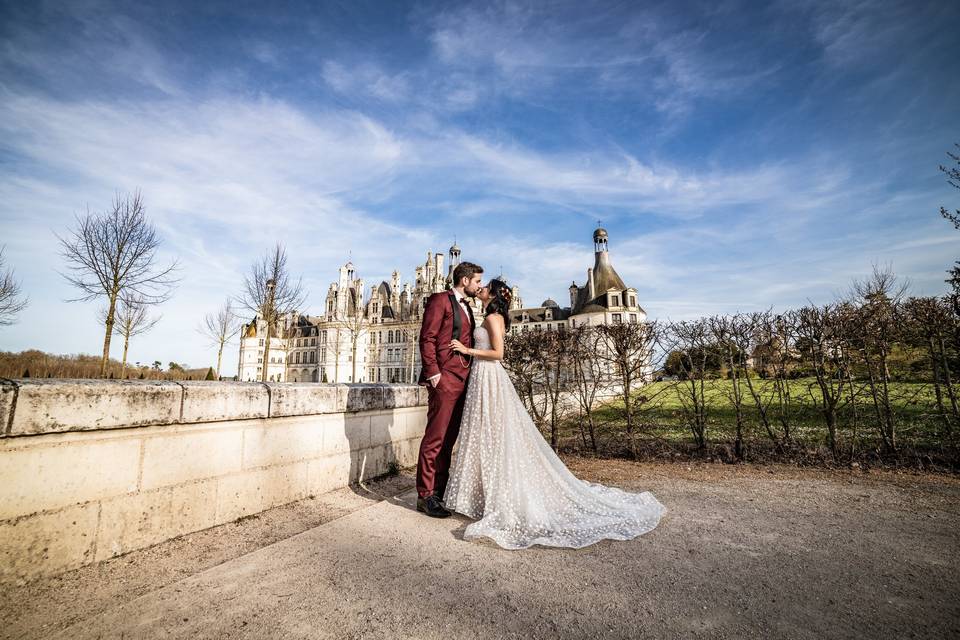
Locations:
column 387, row 156
column 366, row 79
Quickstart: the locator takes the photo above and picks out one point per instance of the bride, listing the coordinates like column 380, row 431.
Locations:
column 506, row 476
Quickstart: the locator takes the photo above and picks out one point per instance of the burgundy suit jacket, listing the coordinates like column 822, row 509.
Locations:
column 436, row 332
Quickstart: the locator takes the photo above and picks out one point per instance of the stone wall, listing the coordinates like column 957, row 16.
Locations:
column 91, row 469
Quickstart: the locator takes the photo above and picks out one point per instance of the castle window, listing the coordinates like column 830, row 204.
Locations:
column 261, row 342
column 313, row 357
column 633, row 318
column 617, row 319
column 297, row 357
column 616, row 301
column 390, row 336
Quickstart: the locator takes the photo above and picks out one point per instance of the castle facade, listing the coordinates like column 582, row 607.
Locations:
column 374, row 338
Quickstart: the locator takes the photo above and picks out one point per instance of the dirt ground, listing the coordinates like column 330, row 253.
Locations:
column 744, row 551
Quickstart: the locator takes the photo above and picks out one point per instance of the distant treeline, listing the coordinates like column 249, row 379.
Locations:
column 38, row 364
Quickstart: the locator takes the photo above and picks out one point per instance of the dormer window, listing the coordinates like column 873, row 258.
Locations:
column 614, row 301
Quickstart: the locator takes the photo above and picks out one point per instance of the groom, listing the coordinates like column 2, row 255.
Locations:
column 444, row 372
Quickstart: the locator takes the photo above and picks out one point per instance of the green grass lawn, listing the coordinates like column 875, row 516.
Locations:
column 662, row 422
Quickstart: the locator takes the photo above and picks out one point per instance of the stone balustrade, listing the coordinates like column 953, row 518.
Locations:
column 91, row 469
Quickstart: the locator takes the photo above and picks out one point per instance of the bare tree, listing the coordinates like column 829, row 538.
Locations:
column 589, row 377
column 879, row 297
column 732, row 338
column 219, row 328
column 628, row 349
column 12, row 301
column 929, row 325
column 762, row 336
column 113, row 253
column 953, row 178
column 131, row 318
column 690, row 339
column 354, row 326
column 553, row 358
column 522, row 359
column 823, row 332
column 270, row 292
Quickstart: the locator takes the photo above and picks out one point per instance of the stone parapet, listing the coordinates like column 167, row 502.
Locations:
column 33, row 407
column 93, row 469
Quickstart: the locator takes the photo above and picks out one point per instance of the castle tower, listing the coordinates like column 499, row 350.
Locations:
column 454, row 261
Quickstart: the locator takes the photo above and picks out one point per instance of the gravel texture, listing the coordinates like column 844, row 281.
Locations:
column 743, row 552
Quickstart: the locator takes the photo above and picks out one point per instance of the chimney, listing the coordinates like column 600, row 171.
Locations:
column 590, row 288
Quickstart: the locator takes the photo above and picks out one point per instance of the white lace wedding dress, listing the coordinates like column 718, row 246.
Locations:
column 507, row 477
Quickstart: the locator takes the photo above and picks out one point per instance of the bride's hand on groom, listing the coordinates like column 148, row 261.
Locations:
column 459, row 347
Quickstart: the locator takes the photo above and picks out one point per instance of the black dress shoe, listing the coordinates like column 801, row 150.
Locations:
column 432, row 507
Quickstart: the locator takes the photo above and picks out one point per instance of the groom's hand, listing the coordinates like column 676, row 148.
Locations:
column 434, row 380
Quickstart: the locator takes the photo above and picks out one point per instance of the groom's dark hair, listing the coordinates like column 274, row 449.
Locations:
column 464, row 270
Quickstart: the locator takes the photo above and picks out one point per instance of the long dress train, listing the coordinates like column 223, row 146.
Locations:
column 507, row 477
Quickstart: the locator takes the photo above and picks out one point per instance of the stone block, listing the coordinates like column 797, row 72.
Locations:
column 371, row 462
column 253, row 491
column 303, row 398
column 45, row 406
column 35, row 476
column 212, row 401
column 187, row 455
column 329, row 473
column 407, row 451
column 47, row 543
column 409, row 423
column 423, row 396
column 351, row 434
column 283, row 441
column 143, row 519
column 8, row 391
column 360, row 397
column 383, row 427
column 397, row 396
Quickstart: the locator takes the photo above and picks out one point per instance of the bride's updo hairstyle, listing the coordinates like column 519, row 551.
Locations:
column 500, row 297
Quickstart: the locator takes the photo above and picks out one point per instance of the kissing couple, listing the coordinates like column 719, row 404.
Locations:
column 505, row 476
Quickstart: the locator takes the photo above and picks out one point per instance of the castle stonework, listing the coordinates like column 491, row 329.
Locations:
column 375, row 338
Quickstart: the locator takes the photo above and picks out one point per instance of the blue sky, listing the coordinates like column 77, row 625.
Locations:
column 741, row 155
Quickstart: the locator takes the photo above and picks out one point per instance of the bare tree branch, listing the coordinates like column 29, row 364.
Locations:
column 11, row 300
column 270, row 292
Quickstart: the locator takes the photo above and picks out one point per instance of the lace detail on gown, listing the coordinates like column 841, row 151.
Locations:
column 506, row 476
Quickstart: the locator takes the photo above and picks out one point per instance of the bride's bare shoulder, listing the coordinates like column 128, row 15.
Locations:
column 493, row 319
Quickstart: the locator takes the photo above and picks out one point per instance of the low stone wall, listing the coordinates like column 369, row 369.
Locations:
column 91, row 469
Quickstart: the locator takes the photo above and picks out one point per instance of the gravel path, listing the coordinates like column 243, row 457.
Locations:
column 743, row 552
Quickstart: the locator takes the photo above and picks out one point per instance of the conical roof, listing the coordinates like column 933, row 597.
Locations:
column 605, row 277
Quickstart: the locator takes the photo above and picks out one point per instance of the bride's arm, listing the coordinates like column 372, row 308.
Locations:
column 495, row 329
